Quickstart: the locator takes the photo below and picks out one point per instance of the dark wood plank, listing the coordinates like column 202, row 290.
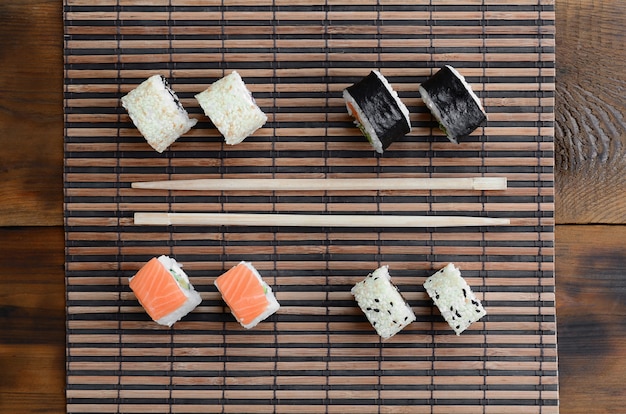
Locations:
column 590, row 135
column 31, row 119
column 591, row 310
column 32, row 316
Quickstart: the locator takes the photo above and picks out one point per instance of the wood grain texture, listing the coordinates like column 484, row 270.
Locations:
column 590, row 135
column 32, row 316
column 591, row 310
column 32, row 344
column 31, row 112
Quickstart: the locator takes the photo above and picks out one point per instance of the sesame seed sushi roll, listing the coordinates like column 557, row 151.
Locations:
column 381, row 302
column 232, row 109
column 377, row 110
column 453, row 103
column 248, row 297
column 164, row 290
column 454, row 298
column 157, row 113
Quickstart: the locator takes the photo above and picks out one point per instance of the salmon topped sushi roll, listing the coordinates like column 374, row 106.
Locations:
column 164, row 290
column 249, row 298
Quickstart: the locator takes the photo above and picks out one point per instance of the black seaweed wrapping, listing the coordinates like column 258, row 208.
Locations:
column 380, row 108
column 460, row 114
column 171, row 92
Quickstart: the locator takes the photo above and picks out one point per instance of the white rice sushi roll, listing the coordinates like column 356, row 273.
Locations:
column 454, row 298
column 157, row 113
column 453, row 103
column 164, row 290
column 381, row 302
column 232, row 109
column 377, row 110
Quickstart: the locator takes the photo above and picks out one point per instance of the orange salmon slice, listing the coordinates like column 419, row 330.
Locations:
column 156, row 290
column 243, row 293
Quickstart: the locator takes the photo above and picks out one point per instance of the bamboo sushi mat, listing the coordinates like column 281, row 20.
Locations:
column 318, row 353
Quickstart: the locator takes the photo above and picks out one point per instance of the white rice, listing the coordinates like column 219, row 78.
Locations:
column 153, row 108
column 452, row 295
column 382, row 303
column 232, row 109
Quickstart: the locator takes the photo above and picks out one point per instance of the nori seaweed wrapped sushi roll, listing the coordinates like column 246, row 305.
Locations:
column 377, row 110
column 453, row 103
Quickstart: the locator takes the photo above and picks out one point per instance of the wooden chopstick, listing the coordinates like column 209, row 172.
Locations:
column 323, row 184
column 311, row 220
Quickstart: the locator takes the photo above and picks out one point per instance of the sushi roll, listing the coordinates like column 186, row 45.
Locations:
column 454, row 298
column 377, row 110
column 249, row 298
column 381, row 302
column 157, row 113
column 453, row 103
column 164, row 290
column 232, row 109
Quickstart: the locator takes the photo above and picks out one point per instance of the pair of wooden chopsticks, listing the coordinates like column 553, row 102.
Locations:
column 320, row 220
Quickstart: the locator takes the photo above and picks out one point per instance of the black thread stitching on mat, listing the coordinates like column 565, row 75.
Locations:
column 172, row 200
column 539, row 110
column 326, row 200
column 117, row 198
column 274, row 196
column 431, row 258
column 483, row 196
column 224, row 237
column 378, row 210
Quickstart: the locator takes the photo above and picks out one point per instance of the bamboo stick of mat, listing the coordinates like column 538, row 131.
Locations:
column 311, row 220
column 323, row 184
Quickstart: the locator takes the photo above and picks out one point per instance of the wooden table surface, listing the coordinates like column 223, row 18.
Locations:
column 590, row 156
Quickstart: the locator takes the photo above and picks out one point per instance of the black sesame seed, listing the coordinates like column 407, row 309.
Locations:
column 374, row 323
column 474, row 302
column 458, row 326
column 391, row 303
column 464, row 293
column 437, row 296
column 477, row 310
column 388, row 311
column 457, row 314
column 368, row 308
column 451, row 309
column 376, row 310
column 406, row 317
column 376, row 300
column 394, row 322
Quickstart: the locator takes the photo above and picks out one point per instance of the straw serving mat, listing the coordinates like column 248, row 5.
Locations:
column 318, row 353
